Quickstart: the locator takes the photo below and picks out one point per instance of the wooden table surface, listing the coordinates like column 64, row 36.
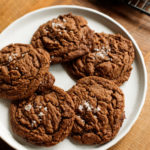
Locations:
column 135, row 22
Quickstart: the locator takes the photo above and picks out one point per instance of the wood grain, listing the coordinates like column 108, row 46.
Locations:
column 135, row 22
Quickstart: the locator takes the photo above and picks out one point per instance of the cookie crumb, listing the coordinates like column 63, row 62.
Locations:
column 28, row 107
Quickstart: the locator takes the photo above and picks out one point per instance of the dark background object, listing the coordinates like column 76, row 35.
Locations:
column 141, row 5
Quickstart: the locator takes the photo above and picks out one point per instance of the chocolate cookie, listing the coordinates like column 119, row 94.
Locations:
column 65, row 38
column 21, row 70
column 111, row 58
column 99, row 108
column 44, row 119
column 47, row 82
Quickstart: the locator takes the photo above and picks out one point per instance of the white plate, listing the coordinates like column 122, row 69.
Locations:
column 134, row 90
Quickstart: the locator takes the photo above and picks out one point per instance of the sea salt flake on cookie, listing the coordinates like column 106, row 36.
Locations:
column 80, row 107
column 96, row 49
column 97, row 110
column 57, row 25
column 95, row 116
column 45, row 108
column 40, row 105
column 110, row 59
column 108, row 50
column 28, row 107
column 88, row 106
column 64, row 20
column 53, row 24
column 33, row 123
column 14, row 54
column 10, row 58
column 23, row 55
column 81, row 119
column 41, row 114
column 89, row 109
column 100, row 54
column 46, row 30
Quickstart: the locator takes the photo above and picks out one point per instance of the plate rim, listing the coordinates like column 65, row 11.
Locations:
column 108, row 145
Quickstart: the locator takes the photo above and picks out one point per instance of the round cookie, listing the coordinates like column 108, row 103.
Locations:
column 99, row 109
column 47, row 82
column 44, row 119
column 65, row 37
column 111, row 58
column 21, row 70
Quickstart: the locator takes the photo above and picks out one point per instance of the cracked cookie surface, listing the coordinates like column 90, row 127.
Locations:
column 46, row 83
column 44, row 119
column 111, row 58
column 99, row 109
column 65, row 38
column 21, row 70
